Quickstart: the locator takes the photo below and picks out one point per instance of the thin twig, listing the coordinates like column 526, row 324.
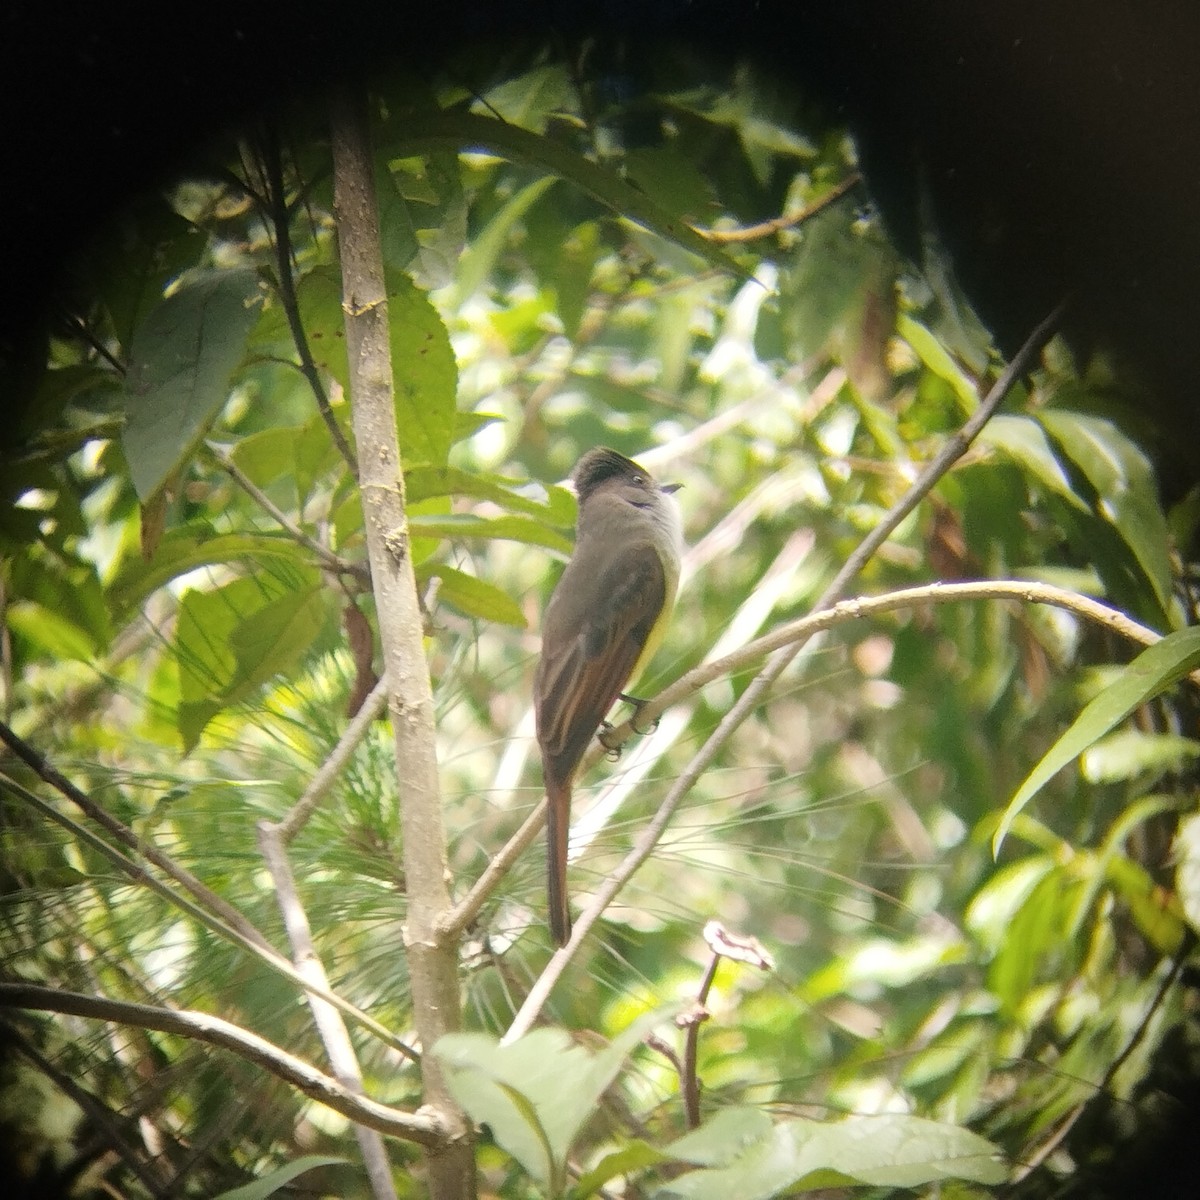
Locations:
column 334, row 1035
column 690, row 1078
column 423, row 1127
column 89, row 336
column 332, row 562
column 753, row 233
column 281, row 220
column 941, row 462
column 332, row 767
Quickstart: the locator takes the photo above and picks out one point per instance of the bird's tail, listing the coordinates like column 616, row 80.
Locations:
column 558, row 822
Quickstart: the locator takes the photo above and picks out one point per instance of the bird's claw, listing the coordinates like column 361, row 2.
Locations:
column 638, row 704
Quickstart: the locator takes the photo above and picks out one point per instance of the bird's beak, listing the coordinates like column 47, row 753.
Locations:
column 670, row 487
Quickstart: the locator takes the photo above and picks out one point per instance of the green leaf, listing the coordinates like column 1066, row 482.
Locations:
column 635, row 1157
column 232, row 639
column 470, row 131
column 426, row 374
column 1126, row 490
column 537, row 1093
column 889, row 1150
column 512, row 529
column 478, row 261
column 475, row 598
column 1157, row 912
column 269, row 1184
column 935, row 357
column 50, row 632
column 423, row 217
column 1036, row 929
column 187, row 548
column 1130, row 753
column 180, row 365
column 724, row 1137
column 272, row 639
column 424, row 483
column 1152, row 672
column 1024, row 441
column 268, row 456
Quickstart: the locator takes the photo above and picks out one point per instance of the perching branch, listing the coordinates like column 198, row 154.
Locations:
column 432, row 957
column 424, row 1127
column 780, row 659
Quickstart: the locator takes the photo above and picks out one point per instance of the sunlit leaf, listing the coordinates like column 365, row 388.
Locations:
column 882, row 1151
column 476, row 598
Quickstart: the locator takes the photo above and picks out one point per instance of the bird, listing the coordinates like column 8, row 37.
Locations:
column 604, row 621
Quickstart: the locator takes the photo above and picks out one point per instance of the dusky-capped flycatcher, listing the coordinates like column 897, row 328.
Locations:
column 604, row 621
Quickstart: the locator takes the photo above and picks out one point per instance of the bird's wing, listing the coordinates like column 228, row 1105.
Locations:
column 588, row 656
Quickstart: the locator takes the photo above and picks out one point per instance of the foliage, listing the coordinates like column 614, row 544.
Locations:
column 185, row 603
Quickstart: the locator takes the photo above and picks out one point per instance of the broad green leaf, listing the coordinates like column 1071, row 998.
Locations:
column 1152, row 672
column 184, row 549
column 635, row 1157
column 672, row 179
column 319, row 297
column 467, row 424
column 424, row 228
column 1037, row 927
column 727, row 1135
column 426, row 374
column 474, row 597
column 50, row 633
column 934, row 355
column 512, row 529
column 1126, row 489
column 1024, row 441
column 271, row 1183
column 530, row 99
column 471, row 131
column 267, row 642
column 230, row 640
column 536, row 1093
column 422, row 483
column 889, row 1150
column 181, row 362
column 267, row 456
column 67, row 592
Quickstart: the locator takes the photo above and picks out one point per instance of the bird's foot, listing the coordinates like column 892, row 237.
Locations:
column 614, row 752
